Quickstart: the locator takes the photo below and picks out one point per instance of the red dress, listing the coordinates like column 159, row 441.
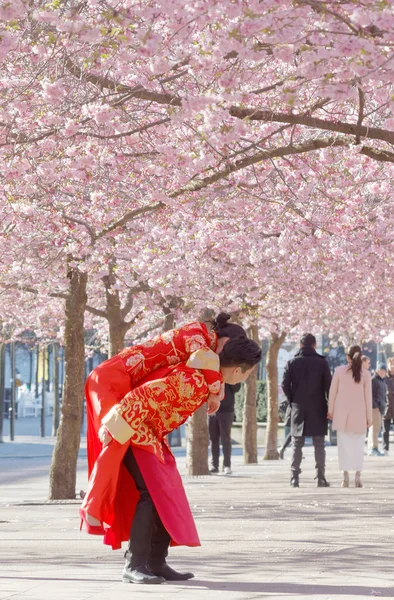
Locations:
column 142, row 416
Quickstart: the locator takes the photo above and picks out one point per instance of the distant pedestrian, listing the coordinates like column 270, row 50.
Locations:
column 285, row 408
column 379, row 392
column 350, row 408
column 306, row 382
column 388, row 417
column 220, row 429
column 366, row 361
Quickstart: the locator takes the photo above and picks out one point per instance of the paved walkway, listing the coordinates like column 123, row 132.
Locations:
column 260, row 538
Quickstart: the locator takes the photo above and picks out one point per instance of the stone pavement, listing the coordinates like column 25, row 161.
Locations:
column 260, row 538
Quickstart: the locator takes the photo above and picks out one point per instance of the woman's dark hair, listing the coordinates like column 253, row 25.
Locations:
column 354, row 353
column 240, row 352
column 225, row 329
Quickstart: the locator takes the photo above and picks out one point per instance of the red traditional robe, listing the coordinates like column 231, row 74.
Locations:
column 111, row 496
column 142, row 416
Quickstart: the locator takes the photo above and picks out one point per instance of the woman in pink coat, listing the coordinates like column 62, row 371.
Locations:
column 350, row 408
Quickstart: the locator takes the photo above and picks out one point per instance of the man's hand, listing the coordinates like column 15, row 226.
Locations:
column 213, row 404
column 104, row 436
column 369, row 424
column 329, row 416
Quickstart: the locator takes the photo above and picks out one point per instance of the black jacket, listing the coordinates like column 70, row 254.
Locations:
column 306, row 382
column 389, row 414
column 379, row 391
column 227, row 404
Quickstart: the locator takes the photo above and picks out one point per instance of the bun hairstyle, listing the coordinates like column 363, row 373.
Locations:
column 356, row 365
column 240, row 352
column 223, row 328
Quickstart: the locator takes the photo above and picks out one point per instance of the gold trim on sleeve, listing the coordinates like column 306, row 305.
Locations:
column 117, row 426
column 204, row 359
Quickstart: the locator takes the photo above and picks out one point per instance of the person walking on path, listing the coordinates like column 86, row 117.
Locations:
column 220, row 429
column 379, row 393
column 285, row 408
column 350, row 408
column 306, row 382
column 388, row 417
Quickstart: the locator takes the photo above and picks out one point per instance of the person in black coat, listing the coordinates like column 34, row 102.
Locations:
column 389, row 412
column 220, row 429
column 306, row 383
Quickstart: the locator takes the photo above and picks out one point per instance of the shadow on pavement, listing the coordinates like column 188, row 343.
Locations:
column 243, row 586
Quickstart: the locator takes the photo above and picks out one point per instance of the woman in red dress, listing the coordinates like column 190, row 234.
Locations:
column 136, row 418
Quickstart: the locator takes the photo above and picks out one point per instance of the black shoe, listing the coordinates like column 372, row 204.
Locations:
column 322, row 482
column 140, row 575
column 321, row 479
column 214, row 470
column 165, row 571
column 294, row 481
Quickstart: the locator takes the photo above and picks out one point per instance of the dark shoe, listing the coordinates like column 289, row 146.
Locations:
column 294, row 481
column 214, row 470
column 322, row 482
column 165, row 571
column 140, row 575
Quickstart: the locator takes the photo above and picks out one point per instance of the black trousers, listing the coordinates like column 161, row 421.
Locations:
column 220, row 429
column 320, row 453
column 386, row 433
column 149, row 539
column 287, row 442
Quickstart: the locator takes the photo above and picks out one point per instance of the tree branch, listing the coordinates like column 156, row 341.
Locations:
column 27, row 288
column 133, row 320
column 321, row 7
column 128, row 305
column 97, row 312
column 83, row 223
column 380, row 155
column 133, row 92
column 152, row 328
column 299, row 119
column 128, row 217
column 116, row 136
column 361, row 106
column 199, row 184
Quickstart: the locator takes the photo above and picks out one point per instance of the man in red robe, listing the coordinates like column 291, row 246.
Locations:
column 151, row 504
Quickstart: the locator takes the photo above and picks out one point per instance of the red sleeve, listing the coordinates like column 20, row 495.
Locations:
column 170, row 348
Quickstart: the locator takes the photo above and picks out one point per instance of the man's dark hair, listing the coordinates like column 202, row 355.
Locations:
column 308, row 340
column 240, row 352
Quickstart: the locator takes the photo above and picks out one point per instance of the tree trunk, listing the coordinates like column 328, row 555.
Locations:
column 249, row 417
column 197, row 443
column 117, row 333
column 169, row 320
column 62, row 477
column 249, row 420
column 116, row 324
column 271, row 441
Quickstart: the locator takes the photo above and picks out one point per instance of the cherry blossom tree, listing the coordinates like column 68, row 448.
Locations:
column 227, row 156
